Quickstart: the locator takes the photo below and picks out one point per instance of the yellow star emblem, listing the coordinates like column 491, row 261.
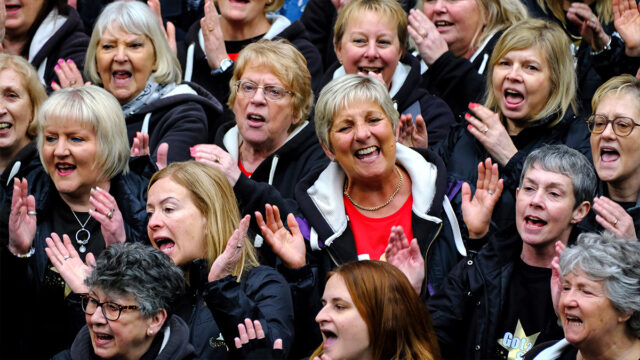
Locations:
column 518, row 343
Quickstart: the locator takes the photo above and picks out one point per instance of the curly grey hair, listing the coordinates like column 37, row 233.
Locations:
column 569, row 162
column 137, row 270
column 615, row 262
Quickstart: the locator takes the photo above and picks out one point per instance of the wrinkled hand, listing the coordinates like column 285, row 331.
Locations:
column 613, row 217
column 213, row 37
column 104, row 204
column 227, row 261
column 410, row 134
column 376, row 76
column 68, row 75
column 289, row 246
column 22, row 225
column 251, row 331
column 590, row 28
column 216, row 156
column 66, row 260
column 140, row 147
column 169, row 31
column 406, row 257
column 431, row 44
column 626, row 19
column 556, row 278
column 477, row 212
column 488, row 129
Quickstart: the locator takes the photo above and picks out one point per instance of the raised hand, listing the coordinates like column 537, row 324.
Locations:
column 590, row 28
column 488, row 129
column 170, row 30
column 68, row 74
column 406, row 257
column 140, row 147
column 66, row 260
column 410, row 134
column 613, row 217
column 289, row 246
column 556, row 278
column 225, row 263
column 218, row 158
column 22, row 219
column 213, row 37
column 108, row 215
column 431, row 44
column 626, row 19
column 477, row 212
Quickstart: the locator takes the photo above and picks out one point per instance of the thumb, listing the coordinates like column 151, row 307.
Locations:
column 91, row 260
column 466, row 193
column 161, row 155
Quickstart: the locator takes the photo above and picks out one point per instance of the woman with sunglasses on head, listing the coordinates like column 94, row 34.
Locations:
column 126, row 300
column 615, row 147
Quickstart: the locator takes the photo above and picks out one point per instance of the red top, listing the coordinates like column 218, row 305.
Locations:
column 244, row 171
column 372, row 234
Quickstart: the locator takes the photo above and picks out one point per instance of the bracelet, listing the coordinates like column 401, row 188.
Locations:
column 28, row 254
column 605, row 48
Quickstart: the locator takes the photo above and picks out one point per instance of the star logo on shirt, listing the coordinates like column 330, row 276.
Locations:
column 518, row 343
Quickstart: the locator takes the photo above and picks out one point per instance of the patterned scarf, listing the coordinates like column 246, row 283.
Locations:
column 151, row 92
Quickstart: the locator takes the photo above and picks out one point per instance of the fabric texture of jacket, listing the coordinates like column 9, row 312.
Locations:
column 411, row 98
column 550, row 350
column 465, row 312
column 186, row 116
column 195, row 67
column 215, row 309
column 22, row 279
column 58, row 37
column 461, row 152
column 174, row 336
column 459, row 81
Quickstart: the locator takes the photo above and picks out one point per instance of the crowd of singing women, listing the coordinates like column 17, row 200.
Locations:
column 459, row 179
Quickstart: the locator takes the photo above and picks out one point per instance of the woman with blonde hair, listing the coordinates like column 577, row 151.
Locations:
column 531, row 91
column 455, row 40
column 193, row 218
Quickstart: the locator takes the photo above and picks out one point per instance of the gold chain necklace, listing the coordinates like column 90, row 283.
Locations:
column 374, row 208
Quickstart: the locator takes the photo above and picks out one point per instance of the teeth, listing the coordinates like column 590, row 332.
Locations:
column 442, row 23
column 4, row 126
column 366, row 151
column 512, row 92
column 256, row 117
column 371, row 69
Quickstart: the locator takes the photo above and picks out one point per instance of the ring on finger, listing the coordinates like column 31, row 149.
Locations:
column 72, row 82
column 110, row 215
column 66, row 257
column 426, row 35
column 239, row 246
column 491, row 192
column 615, row 222
column 485, row 130
column 217, row 160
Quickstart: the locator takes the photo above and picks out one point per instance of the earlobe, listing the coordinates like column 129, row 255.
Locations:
column 580, row 212
column 328, row 153
column 156, row 321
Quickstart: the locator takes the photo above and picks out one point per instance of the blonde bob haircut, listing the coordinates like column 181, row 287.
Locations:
column 387, row 9
column 604, row 10
column 622, row 84
column 212, row 194
column 287, row 64
column 552, row 42
column 94, row 108
column 30, row 82
column 133, row 17
column 340, row 93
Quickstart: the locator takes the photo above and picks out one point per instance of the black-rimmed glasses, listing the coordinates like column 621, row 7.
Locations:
column 271, row 92
column 110, row 310
column 622, row 126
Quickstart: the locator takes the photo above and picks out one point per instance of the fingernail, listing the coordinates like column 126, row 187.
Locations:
column 91, row 198
column 469, row 127
column 467, row 116
column 472, row 105
column 53, row 82
column 57, row 67
column 70, row 61
column 98, row 187
column 60, row 61
column 93, row 189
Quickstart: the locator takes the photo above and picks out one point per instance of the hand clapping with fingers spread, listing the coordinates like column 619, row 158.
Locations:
column 288, row 245
column 590, row 27
column 252, row 344
column 410, row 134
column 68, row 75
column 626, row 19
column 477, row 211
column 66, row 260
column 406, row 257
column 613, row 217
column 213, row 37
column 108, row 215
column 491, row 133
column 431, row 44
column 216, row 156
column 224, row 265
column 22, row 219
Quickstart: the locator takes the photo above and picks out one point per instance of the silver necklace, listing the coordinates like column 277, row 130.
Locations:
column 84, row 242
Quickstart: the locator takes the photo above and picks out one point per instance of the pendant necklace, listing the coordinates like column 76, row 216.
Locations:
column 81, row 232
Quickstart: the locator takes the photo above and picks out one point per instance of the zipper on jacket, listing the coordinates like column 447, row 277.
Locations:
column 426, row 256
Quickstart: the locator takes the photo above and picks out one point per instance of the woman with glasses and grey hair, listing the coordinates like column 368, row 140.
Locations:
column 126, row 300
column 616, row 156
column 598, row 300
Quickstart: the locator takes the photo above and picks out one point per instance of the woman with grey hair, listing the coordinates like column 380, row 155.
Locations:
column 599, row 300
column 133, row 286
column 85, row 188
column 129, row 56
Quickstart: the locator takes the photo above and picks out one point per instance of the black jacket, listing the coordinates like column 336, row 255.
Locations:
column 462, row 153
column 68, row 42
column 466, row 311
column 186, row 116
column 27, row 300
column 459, row 81
column 411, row 98
column 195, row 67
column 214, row 310
column 175, row 331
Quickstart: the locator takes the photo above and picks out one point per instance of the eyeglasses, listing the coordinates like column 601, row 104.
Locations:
column 622, row 126
column 110, row 310
column 271, row 92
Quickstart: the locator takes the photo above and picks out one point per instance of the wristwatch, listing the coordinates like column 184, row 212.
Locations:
column 224, row 65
